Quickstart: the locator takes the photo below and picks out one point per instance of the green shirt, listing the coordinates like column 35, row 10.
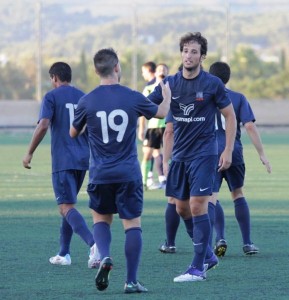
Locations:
column 153, row 122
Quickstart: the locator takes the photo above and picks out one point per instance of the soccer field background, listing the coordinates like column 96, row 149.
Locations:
column 29, row 223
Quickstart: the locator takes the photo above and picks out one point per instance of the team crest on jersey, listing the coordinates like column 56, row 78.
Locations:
column 199, row 96
column 187, row 108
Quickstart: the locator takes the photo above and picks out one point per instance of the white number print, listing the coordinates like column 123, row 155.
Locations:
column 108, row 121
column 71, row 107
column 223, row 121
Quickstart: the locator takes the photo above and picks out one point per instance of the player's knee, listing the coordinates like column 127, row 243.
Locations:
column 64, row 208
column 185, row 213
column 171, row 200
column 237, row 193
column 198, row 210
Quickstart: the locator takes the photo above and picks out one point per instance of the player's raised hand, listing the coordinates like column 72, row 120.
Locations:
column 166, row 90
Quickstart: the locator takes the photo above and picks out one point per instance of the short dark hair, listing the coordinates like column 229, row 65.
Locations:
column 62, row 70
column 194, row 37
column 104, row 61
column 221, row 70
column 151, row 66
column 163, row 64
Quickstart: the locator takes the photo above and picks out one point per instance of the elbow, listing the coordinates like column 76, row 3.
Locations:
column 160, row 115
column 250, row 126
column 43, row 129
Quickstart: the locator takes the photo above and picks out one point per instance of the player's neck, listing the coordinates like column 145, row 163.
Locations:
column 61, row 83
column 109, row 80
column 152, row 77
column 190, row 74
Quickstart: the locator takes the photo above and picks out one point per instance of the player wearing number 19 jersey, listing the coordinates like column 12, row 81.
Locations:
column 111, row 113
column 69, row 159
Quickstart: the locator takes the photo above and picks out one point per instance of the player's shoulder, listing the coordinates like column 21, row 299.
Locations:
column 77, row 90
column 237, row 96
column 49, row 96
column 130, row 93
column 65, row 89
column 91, row 94
column 173, row 78
column 211, row 78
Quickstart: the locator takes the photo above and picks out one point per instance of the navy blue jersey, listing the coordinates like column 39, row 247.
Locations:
column 244, row 114
column 58, row 106
column 193, row 108
column 111, row 113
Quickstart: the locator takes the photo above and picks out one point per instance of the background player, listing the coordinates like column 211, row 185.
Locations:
column 111, row 113
column 148, row 71
column 148, row 74
column 69, row 160
column 236, row 173
column 172, row 218
column 153, row 139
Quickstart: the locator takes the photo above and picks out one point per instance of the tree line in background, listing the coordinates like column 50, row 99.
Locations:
column 248, row 37
column 250, row 75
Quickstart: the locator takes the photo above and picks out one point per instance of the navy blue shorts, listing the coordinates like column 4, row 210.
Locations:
column 234, row 176
column 193, row 178
column 66, row 185
column 124, row 198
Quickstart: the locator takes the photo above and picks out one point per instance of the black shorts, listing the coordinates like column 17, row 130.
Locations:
column 234, row 176
column 154, row 138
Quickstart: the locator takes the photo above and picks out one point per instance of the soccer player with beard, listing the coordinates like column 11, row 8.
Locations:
column 111, row 113
column 196, row 97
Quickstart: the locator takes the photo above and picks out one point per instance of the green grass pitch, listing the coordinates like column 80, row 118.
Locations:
column 29, row 233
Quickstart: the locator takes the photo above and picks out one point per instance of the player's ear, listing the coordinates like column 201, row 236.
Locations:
column 117, row 67
column 203, row 57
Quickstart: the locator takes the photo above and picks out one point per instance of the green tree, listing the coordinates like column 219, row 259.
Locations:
column 15, row 84
column 80, row 72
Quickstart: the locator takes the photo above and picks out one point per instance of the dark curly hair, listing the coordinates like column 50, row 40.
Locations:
column 194, row 37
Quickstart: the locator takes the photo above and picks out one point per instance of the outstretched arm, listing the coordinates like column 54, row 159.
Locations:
column 254, row 135
column 38, row 135
column 164, row 107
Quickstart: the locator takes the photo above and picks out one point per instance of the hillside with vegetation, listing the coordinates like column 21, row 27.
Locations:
column 254, row 41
